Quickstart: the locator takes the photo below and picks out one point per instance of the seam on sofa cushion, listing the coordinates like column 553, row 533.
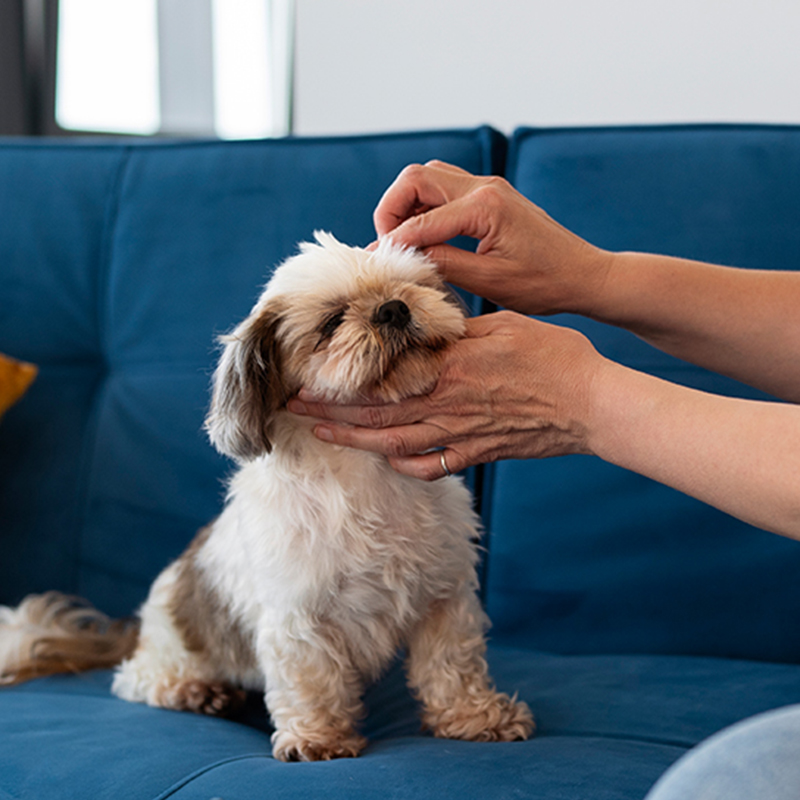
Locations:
column 494, row 155
column 86, row 468
column 678, row 744
column 181, row 784
column 493, row 136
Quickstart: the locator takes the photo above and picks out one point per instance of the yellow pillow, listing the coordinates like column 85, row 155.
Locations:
column 15, row 378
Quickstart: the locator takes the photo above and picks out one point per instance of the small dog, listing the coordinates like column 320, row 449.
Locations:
column 324, row 560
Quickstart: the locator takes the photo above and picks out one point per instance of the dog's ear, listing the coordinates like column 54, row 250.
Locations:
column 247, row 388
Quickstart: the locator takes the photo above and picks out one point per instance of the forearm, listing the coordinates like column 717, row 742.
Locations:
column 737, row 322
column 740, row 456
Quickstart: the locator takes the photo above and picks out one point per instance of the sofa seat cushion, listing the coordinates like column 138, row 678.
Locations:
column 612, row 723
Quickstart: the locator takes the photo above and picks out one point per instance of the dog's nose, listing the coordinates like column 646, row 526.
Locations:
column 395, row 314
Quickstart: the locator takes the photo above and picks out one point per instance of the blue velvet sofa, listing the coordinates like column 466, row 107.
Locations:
column 632, row 619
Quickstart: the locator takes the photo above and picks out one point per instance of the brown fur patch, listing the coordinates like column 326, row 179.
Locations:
column 64, row 633
column 481, row 717
column 325, row 745
column 248, row 388
column 204, row 621
column 447, row 671
column 199, row 697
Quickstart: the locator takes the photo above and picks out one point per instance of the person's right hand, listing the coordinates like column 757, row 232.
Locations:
column 525, row 260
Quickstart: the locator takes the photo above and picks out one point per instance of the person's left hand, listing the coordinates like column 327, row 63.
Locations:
column 514, row 387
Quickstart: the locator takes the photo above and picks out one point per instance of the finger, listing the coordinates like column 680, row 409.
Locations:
column 400, row 201
column 465, row 269
column 400, row 441
column 428, row 466
column 366, row 416
column 417, row 189
column 446, row 167
column 460, row 217
column 485, row 325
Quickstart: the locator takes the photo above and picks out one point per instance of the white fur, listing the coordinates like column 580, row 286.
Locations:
column 161, row 658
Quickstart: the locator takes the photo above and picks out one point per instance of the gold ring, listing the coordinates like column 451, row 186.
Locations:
column 444, row 464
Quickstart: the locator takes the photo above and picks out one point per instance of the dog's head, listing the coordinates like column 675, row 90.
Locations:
column 343, row 322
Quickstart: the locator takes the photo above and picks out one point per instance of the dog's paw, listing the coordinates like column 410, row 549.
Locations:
column 493, row 717
column 214, row 699
column 288, row 746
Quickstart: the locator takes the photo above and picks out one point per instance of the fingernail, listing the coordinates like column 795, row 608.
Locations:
column 321, row 432
column 297, row 407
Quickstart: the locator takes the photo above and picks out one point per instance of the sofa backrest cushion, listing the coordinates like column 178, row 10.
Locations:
column 587, row 557
column 119, row 264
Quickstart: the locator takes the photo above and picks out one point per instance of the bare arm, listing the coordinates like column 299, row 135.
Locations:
column 740, row 456
column 737, row 322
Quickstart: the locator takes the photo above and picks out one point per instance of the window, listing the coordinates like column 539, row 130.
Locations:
column 184, row 67
column 107, row 66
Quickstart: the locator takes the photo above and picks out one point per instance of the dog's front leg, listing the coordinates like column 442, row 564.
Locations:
column 313, row 695
column 448, row 673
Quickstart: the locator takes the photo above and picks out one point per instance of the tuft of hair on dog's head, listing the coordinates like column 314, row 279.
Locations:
column 343, row 322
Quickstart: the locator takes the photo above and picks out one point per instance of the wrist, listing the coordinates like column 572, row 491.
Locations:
column 617, row 397
column 588, row 393
column 591, row 293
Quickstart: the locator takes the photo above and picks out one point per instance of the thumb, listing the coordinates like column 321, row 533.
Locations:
column 464, row 269
column 485, row 325
column 461, row 217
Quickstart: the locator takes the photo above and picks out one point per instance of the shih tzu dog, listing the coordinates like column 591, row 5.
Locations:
column 324, row 561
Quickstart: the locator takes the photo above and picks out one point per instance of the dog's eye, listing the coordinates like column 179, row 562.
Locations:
column 328, row 328
column 331, row 324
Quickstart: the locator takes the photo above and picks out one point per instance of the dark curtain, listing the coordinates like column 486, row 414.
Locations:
column 27, row 67
column 13, row 107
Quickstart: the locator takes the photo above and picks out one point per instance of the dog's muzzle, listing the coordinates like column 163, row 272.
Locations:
column 394, row 314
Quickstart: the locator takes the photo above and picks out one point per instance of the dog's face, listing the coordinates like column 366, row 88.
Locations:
column 342, row 322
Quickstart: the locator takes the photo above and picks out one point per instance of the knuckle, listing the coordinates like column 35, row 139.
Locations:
column 508, row 318
column 497, row 182
column 430, row 474
column 412, row 171
column 373, row 417
column 396, row 444
column 492, row 191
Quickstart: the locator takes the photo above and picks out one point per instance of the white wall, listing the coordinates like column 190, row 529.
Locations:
column 373, row 65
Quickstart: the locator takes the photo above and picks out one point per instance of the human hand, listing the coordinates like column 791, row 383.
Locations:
column 524, row 260
column 512, row 388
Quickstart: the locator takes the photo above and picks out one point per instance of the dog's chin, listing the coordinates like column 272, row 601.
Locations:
column 410, row 376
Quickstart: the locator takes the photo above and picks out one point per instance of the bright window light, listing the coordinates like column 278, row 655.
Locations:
column 107, row 66
column 176, row 67
column 242, row 69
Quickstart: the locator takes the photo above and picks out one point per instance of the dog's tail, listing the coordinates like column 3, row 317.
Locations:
column 53, row 633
